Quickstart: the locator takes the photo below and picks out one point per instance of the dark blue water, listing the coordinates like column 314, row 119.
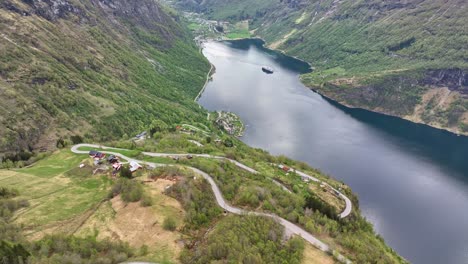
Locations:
column 412, row 180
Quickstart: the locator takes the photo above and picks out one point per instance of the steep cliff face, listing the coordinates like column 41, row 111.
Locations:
column 52, row 10
column 454, row 79
column 95, row 68
column 375, row 54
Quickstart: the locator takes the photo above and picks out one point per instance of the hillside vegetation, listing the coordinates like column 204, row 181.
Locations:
column 103, row 71
column 403, row 58
column 170, row 215
column 99, row 69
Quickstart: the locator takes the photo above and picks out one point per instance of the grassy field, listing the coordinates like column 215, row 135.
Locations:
column 239, row 30
column 67, row 199
column 194, row 26
column 54, row 197
column 313, row 255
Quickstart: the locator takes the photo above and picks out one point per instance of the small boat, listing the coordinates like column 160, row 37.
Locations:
column 267, row 70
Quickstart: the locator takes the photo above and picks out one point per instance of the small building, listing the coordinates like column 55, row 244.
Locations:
column 112, row 159
column 141, row 136
column 92, row 153
column 134, row 166
column 116, row 168
column 305, row 179
column 99, row 156
column 96, row 155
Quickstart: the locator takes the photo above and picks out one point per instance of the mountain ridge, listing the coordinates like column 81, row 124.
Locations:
column 73, row 67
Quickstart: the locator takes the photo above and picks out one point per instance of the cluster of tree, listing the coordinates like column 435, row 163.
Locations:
column 312, row 201
column 166, row 171
column 130, row 191
column 354, row 235
column 21, row 159
column 69, row 249
column 198, row 201
column 20, row 156
column 246, row 239
column 8, row 205
column 58, row 249
column 257, row 192
column 250, row 240
column 125, row 172
column 72, row 140
column 10, row 234
column 252, row 191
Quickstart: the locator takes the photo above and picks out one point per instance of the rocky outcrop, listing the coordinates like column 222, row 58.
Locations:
column 54, row 9
column 147, row 14
column 454, row 79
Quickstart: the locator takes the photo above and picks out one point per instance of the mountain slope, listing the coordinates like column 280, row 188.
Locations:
column 404, row 58
column 94, row 68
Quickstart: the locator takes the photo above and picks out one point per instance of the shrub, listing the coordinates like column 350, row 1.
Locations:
column 130, row 191
column 70, row 249
column 166, row 171
column 169, row 224
column 125, row 172
column 146, row 201
column 76, row 139
column 60, row 143
column 12, row 253
column 228, row 143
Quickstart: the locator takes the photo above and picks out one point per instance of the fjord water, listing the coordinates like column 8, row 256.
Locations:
column 412, row 180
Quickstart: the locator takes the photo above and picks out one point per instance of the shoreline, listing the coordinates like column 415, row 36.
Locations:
column 456, row 133
column 385, row 114
column 208, row 78
column 264, row 45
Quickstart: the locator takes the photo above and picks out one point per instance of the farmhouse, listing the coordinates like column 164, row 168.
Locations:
column 96, row 155
column 141, row 136
column 112, row 159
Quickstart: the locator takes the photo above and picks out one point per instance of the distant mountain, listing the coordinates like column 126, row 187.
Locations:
column 407, row 58
column 95, row 68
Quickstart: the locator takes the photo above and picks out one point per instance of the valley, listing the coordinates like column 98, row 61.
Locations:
column 384, row 57
column 195, row 131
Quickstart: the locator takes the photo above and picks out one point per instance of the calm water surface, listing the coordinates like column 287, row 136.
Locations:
column 412, row 180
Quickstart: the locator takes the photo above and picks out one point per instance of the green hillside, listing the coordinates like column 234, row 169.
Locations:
column 63, row 213
column 104, row 70
column 93, row 68
column 404, row 58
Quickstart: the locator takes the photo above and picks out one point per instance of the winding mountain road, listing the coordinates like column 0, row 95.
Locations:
column 290, row 228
